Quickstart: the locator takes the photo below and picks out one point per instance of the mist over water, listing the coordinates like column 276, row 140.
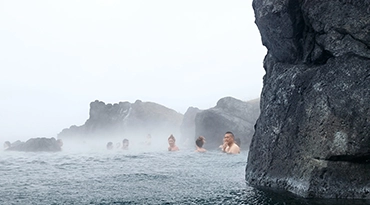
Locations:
column 138, row 141
column 90, row 174
column 118, row 176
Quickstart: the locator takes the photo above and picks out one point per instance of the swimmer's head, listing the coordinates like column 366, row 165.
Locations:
column 110, row 145
column 200, row 141
column 171, row 140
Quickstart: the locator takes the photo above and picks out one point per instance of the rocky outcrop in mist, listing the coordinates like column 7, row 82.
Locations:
column 125, row 119
column 188, row 126
column 40, row 144
column 229, row 114
column 313, row 135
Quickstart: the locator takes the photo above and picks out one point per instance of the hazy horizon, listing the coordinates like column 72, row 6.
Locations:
column 58, row 56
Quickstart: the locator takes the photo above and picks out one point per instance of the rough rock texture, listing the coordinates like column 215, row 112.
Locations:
column 36, row 145
column 125, row 119
column 313, row 135
column 229, row 114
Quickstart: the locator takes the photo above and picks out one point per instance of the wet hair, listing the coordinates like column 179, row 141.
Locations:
column 228, row 132
column 172, row 137
column 200, row 141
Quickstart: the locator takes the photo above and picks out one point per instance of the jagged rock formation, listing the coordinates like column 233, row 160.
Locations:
column 313, row 135
column 125, row 119
column 37, row 145
column 229, row 114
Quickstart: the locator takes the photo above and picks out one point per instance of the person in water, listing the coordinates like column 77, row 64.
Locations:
column 125, row 144
column 110, row 145
column 199, row 144
column 172, row 144
column 229, row 146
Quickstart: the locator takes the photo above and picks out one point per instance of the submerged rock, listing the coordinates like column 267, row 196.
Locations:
column 313, row 135
column 37, row 145
column 229, row 114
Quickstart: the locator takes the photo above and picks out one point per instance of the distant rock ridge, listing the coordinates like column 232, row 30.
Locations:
column 40, row 144
column 313, row 134
column 125, row 118
column 229, row 114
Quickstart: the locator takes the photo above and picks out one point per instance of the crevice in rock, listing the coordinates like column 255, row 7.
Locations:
column 357, row 158
column 360, row 158
column 323, row 58
column 298, row 23
column 367, row 76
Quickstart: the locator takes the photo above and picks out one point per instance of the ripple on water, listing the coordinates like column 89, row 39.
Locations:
column 130, row 177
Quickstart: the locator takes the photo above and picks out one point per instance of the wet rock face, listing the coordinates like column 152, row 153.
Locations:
column 229, row 114
column 313, row 134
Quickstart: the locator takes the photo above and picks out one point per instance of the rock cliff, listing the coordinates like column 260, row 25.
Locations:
column 313, row 134
column 229, row 114
column 125, row 119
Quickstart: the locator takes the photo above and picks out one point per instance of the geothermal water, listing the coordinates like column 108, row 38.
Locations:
column 137, row 176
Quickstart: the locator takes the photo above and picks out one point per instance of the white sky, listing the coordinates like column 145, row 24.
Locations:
column 58, row 56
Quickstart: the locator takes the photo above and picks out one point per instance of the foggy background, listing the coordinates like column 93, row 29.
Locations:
column 58, row 56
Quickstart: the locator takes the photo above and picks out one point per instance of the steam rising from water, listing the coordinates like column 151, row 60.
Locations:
column 138, row 141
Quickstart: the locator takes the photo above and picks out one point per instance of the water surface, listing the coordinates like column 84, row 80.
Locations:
column 131, row 177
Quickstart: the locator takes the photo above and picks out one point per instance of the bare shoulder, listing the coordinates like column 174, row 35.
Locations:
column 235, row 149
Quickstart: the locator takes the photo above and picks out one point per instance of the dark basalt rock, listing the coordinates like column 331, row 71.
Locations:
column 313, row 134
column 124, row 118
column 36, row 145
column 230, row 114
